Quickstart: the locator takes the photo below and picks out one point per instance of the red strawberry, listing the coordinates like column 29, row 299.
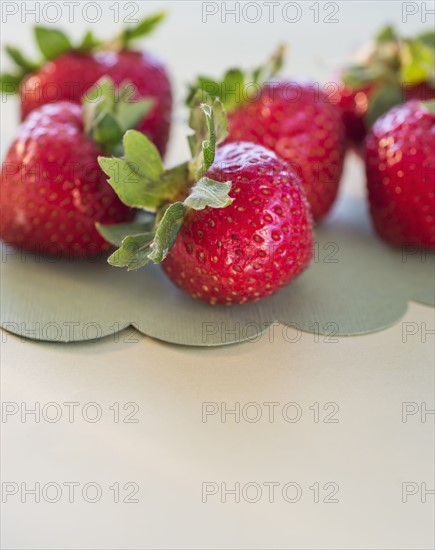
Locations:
column 400, row 165
column 67, row 73
column 252, row 247
column 52, row 188
column 354, row 104
column 217, row 248
column 388, row 72
column 292, row 118
column 307, row 133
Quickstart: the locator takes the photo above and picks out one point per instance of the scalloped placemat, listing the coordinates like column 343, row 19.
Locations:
column 355, row 285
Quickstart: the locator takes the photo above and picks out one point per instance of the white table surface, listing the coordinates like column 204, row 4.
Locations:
column 173, row 450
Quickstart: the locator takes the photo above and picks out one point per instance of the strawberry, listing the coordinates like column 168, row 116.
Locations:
column 66, row 73
column 254, row 246
column 400, row 163
column 52, row 188
column 216, row 247
column 388, row 72
column 292, row 118
column 354, row 105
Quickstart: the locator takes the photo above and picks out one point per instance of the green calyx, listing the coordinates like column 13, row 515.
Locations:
column 109, row 111
column 140, row 181
column 392, row 59
column 52, row 43
column 429, row 105
column 382, row 100
column 237, row 86
column 390, row 64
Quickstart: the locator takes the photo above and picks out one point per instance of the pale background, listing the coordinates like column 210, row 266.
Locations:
column 171, row 452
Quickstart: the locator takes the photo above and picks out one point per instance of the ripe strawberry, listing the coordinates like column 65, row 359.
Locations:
column 217, row 248
column 252, row 247
column 292, row 118
column 52, row 188
column 354, row 104
column 400, row 162
column 388, row 72
column 67, row 73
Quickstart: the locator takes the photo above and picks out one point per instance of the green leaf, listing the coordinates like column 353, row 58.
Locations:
column 131, row 113
column 133, row 252
column 52, row 42
column 207, row 192
column 232, row 88
column 140, row 152
column 23, row 62
column 108, row 112
column 199, row 124
column 107, row 132
column 271, row 68
column 144, row 27
column 138, row 178
column 211, row 88
column 208, row 146
column 209, row 122
column 167, row 231
column 89, row 42
column 418, row 62
column 138, row 249
column 381, row 101
column 132, row 188
column 357, row 76
column 386, row 34
column 229, row 91
column 99, row 114
column 430, row 105
column 10, row 83
column 116, row 233
column 427, row 38
column 102, row 95
column 220, row 121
